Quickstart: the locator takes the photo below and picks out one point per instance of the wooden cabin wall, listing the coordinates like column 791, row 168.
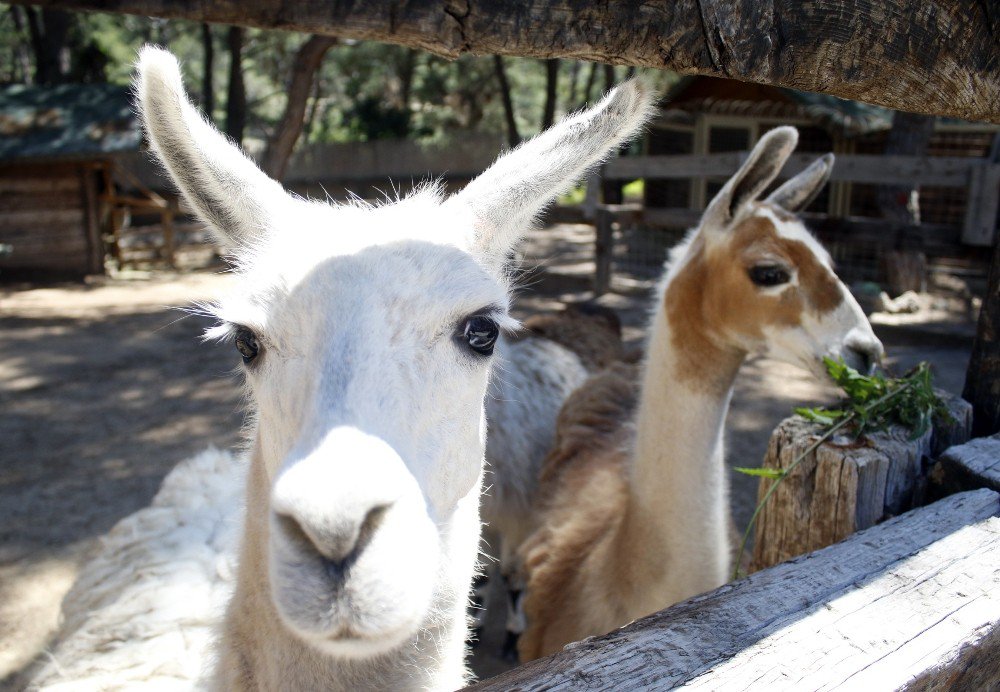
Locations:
column 49, row 216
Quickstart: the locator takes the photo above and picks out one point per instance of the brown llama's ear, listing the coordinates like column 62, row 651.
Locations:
column 797, row 193
column 224, row 187
column 753, row 177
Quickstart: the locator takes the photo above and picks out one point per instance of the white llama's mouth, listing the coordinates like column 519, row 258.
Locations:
column 360, row 607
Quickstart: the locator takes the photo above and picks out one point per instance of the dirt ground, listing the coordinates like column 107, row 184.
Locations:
column 104, row 387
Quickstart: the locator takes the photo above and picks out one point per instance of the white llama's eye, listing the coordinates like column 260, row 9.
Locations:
column 769, row 275
column 246, row 344
column 481, row 333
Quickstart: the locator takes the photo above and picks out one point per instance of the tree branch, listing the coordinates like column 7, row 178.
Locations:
column 928, row 56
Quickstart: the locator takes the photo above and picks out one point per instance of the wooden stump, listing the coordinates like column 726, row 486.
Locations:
column 844, row 486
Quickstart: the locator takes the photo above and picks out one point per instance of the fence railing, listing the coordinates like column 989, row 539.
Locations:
column 980, row 176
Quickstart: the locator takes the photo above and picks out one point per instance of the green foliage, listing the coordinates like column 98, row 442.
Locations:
column 875, row 402
column 762, row 472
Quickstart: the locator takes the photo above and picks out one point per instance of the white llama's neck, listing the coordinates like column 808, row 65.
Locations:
column 257, row 651
column 676, row 529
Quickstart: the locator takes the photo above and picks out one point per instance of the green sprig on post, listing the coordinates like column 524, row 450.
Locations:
column 874, row 402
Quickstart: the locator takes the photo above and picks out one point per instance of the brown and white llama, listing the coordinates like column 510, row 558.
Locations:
column 555, row 353
column 636, row 514
column 367, row 336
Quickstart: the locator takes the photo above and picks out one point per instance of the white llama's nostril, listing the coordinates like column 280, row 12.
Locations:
column 338, row 542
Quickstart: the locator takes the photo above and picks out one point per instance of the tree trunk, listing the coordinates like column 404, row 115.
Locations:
column 208, row 73
column 574, row 77
column 551, row 84
column 281, row 143
column 236, row 97
column 930, row 57
column 49, row 30
column 906, row 265
column 21, row 56
column 513, row 136
column 982, row 380
column 589, row 86
column 609, row 77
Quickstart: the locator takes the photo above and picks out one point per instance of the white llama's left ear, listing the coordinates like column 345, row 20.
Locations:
column 796, row 193
column 224, row 187
column 753, row 177
column 505, row 199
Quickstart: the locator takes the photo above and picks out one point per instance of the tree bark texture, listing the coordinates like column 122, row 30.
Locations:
column 551, row 85
column 929, row 56
column 208, row 73
column 307, row 62
column 236, row 96
column 49, row 31
column 982, row 379
column 513, row 136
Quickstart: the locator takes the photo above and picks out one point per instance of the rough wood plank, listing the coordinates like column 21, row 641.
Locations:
column 878, row 611
column 54, row 221
column 928, row 56
column 940, row 171
column 843, row 486
column 975, row 464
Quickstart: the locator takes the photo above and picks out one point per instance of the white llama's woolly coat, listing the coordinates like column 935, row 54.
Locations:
column 144, row 611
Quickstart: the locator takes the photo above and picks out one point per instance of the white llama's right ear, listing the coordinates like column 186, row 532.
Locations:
column 758, row 171
column 796, row 193
column 224, row 187
column 507, row 197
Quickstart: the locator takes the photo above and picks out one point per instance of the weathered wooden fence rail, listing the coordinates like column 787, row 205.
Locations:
column 913, row 603
column 980, row 175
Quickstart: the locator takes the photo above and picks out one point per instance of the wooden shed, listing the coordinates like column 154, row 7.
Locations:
column 57, row 146
column 705, row 115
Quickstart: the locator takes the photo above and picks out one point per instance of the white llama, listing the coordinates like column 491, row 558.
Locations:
column 366, row 334
column 636, row 507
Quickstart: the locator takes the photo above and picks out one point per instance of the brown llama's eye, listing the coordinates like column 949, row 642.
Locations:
column 481, row 333
column 769, row 275
column 246, row 344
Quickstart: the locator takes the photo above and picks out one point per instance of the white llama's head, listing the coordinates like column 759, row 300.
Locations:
column 367, row 334
column 751, row 279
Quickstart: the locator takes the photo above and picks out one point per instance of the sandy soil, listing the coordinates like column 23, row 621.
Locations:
column 104, row 387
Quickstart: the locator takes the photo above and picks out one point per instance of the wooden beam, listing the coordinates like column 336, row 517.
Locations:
column 943, row 171
column 914, row 598
column 928, row 56
column 975, row 464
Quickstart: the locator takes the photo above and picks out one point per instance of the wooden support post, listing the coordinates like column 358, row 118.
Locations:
column 168, row 234
column 982, row 379
column 843, row 486
column 604, row 245
column 912, row 603
column 95, row 243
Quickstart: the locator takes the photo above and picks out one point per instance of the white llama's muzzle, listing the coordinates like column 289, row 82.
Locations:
column 350, row 540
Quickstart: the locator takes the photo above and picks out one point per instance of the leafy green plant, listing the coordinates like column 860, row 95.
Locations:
column 874, row 402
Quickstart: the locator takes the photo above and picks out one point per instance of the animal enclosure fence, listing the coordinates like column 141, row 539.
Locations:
column 632, row 240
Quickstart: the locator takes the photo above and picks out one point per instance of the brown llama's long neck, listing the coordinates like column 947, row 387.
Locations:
column 258, row 652
column 675, row 530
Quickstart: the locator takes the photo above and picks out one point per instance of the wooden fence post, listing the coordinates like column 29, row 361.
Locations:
column 604, row 244
column 843, row 486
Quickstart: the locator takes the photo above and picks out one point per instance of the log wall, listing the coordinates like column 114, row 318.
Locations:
column 49, row 218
